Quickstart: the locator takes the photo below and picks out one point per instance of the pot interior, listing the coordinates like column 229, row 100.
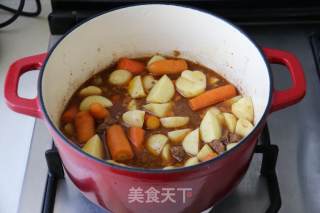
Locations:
column 143, row 31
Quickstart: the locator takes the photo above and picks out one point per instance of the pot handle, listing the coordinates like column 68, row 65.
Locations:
column 284, row 98
column 16, row 103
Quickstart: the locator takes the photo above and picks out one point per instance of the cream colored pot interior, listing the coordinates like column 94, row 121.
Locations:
column 146, row 30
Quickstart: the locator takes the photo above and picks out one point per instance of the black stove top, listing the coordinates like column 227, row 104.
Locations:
column 67, row 13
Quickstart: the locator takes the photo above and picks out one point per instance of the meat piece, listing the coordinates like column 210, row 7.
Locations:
column 218, row 146
column 107, row 122
column 234, row 138
column 177, row 153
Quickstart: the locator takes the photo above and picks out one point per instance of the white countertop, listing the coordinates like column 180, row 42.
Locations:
column 26, row 36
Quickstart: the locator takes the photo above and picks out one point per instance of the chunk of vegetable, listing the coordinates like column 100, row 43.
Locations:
column 210, row 156
column 204, row 152
column 152, row 122
column 191, row 83
column 191, row 161
column 154, row 59
column 155, row 143
column 194, row 76
column 168, row 66
column 94, row 147
column 159, row 110
column 243, row 109
column 136, row 136
column 148, row 82
column 90, row 90
column 212, row 96
column 230, row 121
column 69, row 129
column 85, row 127
column 177, row 136
column 210, row 128
column 120, row 77
column 213, row 80
column 131, row 65
column 86, row 102
column 134, row 118
column 162, row 91
column 191, row 142
column 231, row 145
column 243, row 127
column 98, row 111
column 165, row 154
column 116, row 163
column 118, row 143
column 69, row 115
column 169, row 167
column 215, row 111
column 132, row 105
column 231, row 101
column 135, row 88
column 174, row 122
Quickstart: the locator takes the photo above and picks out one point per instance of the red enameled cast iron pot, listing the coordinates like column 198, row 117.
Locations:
column 142, row 31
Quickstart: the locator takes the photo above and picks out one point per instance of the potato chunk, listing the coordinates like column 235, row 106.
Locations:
column 191, row 142
column 243, row 109
column 215, row 111
column 159, row 110
column 120, row 77
column 132, row 105
column 162, row 91
column 94, row 147
column 191, row 161
column 154, row 59
column 191, row 83
column 90, row 90
column 134, row 118
column 86, row 102
column 174, row 122
column 204, row 152
column 230, row 121
column 148, row 82
column 177, row 136
column 156, row 143
column 135, row 88
column 210, row 128
column 231, row 145
column 243, row 127
column 165, row 154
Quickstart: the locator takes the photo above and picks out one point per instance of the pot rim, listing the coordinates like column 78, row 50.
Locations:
column 156, row 171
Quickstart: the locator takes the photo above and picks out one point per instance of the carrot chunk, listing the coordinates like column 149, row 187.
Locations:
column 152, row 122
column 69, row 115
column 85, row 127
column 168, row 66
column 212, row 96
column 132, row 66
column 118, row 143
column 136, row 136
column 98, row 111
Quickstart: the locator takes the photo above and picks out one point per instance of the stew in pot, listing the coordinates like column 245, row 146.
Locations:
column 157, row 112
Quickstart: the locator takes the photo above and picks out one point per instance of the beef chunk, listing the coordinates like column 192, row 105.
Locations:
column 217, row 145
column 177, row 153
column 234, row 138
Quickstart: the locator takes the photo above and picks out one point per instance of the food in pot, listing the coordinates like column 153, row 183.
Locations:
column 157, row 112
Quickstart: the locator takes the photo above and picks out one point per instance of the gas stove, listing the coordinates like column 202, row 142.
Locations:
column 285, row 183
